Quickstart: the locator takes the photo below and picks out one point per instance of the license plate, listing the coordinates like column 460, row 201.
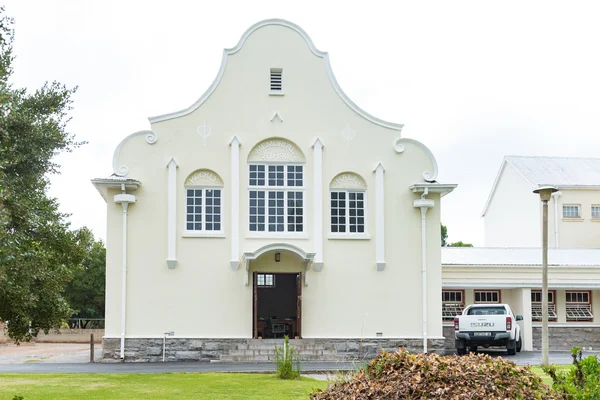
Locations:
column 483, row 333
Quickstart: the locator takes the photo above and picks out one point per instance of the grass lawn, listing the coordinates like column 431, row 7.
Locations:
column 546, row 378
column 154, row 386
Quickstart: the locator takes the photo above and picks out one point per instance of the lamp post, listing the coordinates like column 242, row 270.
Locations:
column 545, row 193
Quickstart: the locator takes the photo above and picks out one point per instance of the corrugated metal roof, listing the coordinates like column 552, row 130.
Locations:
column 518, row 256
column 113, row 181
column 114, row 178
column 558, row 171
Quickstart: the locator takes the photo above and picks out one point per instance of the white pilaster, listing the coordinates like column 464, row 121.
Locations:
column 318, row 203
column 235, row 203
column 379, row 217
column 527, row 334
column 172, row 213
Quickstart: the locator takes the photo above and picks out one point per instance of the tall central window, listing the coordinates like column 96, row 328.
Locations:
column 276, row 196
column 276, row 169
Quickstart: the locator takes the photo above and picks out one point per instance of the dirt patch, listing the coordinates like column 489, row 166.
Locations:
column 45, row 352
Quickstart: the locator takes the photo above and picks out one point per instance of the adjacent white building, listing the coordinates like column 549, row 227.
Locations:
column 512, row 215
column 509, row 268
column 272, row 206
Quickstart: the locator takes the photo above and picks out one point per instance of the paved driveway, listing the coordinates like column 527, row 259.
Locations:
column 47, row 353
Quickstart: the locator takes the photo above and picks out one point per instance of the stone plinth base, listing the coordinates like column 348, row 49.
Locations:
column 565, row 337
column 257, row 350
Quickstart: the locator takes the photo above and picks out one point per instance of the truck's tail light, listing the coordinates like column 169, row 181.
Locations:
column 508, row 323
column 456, row 323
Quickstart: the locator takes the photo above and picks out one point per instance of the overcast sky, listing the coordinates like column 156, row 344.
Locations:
column 473, row 80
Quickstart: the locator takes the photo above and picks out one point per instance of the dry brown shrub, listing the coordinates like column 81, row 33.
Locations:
column 403, row 375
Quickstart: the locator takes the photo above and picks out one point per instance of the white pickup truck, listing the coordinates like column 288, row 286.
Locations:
column 487, row 325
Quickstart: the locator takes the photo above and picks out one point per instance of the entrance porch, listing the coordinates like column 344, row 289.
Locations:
column 278, row 271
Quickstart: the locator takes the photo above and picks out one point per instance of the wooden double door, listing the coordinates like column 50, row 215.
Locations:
column 277, row 305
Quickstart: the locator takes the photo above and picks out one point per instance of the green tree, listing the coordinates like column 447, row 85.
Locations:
column 38, row 250
column 444, row 235
column 455, row 244
column 85, row 293
column 460, row 244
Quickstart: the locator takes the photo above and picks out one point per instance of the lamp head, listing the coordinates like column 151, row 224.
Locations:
column 545, row 192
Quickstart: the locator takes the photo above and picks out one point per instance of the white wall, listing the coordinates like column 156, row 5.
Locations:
column 581, row 232
column 202, row 296
column 512, row 218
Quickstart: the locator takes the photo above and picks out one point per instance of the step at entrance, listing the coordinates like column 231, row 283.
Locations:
column 263, row 350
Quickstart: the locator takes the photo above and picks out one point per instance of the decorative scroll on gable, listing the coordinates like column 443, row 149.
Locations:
column 348, row 180
column 276, row 149
column 203, row 177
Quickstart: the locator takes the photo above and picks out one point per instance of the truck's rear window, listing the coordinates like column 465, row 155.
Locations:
column 487, row 311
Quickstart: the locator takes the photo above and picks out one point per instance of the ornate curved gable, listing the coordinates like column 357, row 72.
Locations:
column 313, row 49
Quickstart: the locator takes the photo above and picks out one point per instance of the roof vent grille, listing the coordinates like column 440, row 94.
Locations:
column 276, row 80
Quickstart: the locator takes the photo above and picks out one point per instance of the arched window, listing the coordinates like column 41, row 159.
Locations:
column 348, row 204
column 276, row 187
column 203, row 207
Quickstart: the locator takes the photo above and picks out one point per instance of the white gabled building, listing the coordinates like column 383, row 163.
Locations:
column 271, row 206
column 512, row 214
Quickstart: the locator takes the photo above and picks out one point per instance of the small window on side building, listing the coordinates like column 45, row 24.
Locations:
column 487, row 296
column 571, row 211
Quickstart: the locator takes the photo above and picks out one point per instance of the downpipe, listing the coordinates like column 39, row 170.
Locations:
column 424, row 204
column 124, row 199
column 556, row 196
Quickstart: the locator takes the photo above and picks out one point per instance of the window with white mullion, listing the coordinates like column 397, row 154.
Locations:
column 536, row 305
column 276, row 195
column 571, row 211
column 295, row 211
column 578, row 306
column 203, row 209
column 578, row 297
column 338, row 212
column 276, row 211
column 257, row 175
column 487, row 296
column 452, row 304
column 212, row 209
column 257, row 211
column 595, row 211
column 295, row 175
column 276, row 175
column 265, row 280
column 348, row 212
column 194, row 209
column 356, row 212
